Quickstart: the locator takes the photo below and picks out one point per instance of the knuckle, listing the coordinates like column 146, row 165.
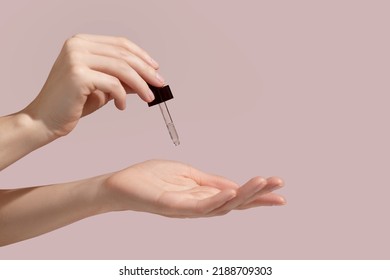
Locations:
column 72, row 43
column 123, row 41
column 115, row 84
column 122, row 52
column 122, row 65
column 78, row 74
column 74, row 57
column 148, row 70
column 72, row 60
column 77, row 70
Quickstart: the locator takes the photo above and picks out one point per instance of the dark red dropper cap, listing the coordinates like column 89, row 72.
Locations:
column 161, row 94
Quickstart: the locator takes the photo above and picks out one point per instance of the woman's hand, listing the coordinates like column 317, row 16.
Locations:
column 90, row 71
column 165, row 188
column 174, row 189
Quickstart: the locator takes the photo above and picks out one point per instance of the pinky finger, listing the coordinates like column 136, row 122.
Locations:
column 110, row 85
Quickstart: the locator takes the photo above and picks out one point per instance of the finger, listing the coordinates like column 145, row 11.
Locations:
column 122, row 42
column 147, row 72
column 96, row 100
column 273, row 183
column 203, row 207
column 110, row 85
column 121, row 70
column 178, row 205
column 244, row 193
column 269, row 199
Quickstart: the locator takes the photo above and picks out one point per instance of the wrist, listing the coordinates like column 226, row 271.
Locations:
column 112, row 197
column 36, row 127
column 22, row 135
column 102, row 197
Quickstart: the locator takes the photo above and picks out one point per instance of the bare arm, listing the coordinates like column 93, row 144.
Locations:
column 166, row 188
column 20, row 135
column 28, row 212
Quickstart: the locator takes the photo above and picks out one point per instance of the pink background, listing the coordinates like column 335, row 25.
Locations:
column 298, row 89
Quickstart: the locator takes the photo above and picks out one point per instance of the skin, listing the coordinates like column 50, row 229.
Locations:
column 90, row 71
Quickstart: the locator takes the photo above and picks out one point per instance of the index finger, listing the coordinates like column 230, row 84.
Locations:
column 122, row 42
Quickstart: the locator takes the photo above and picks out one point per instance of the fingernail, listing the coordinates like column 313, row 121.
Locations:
column 150, row 96
column 160, row 78
column 283, row 201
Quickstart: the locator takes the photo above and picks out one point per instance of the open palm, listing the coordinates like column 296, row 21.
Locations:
column 174, row 189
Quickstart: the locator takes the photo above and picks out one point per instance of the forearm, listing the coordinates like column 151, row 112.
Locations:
column 19, row 135
column 29, row 212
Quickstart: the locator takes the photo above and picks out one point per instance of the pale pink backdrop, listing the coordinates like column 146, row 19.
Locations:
column 298, row 89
